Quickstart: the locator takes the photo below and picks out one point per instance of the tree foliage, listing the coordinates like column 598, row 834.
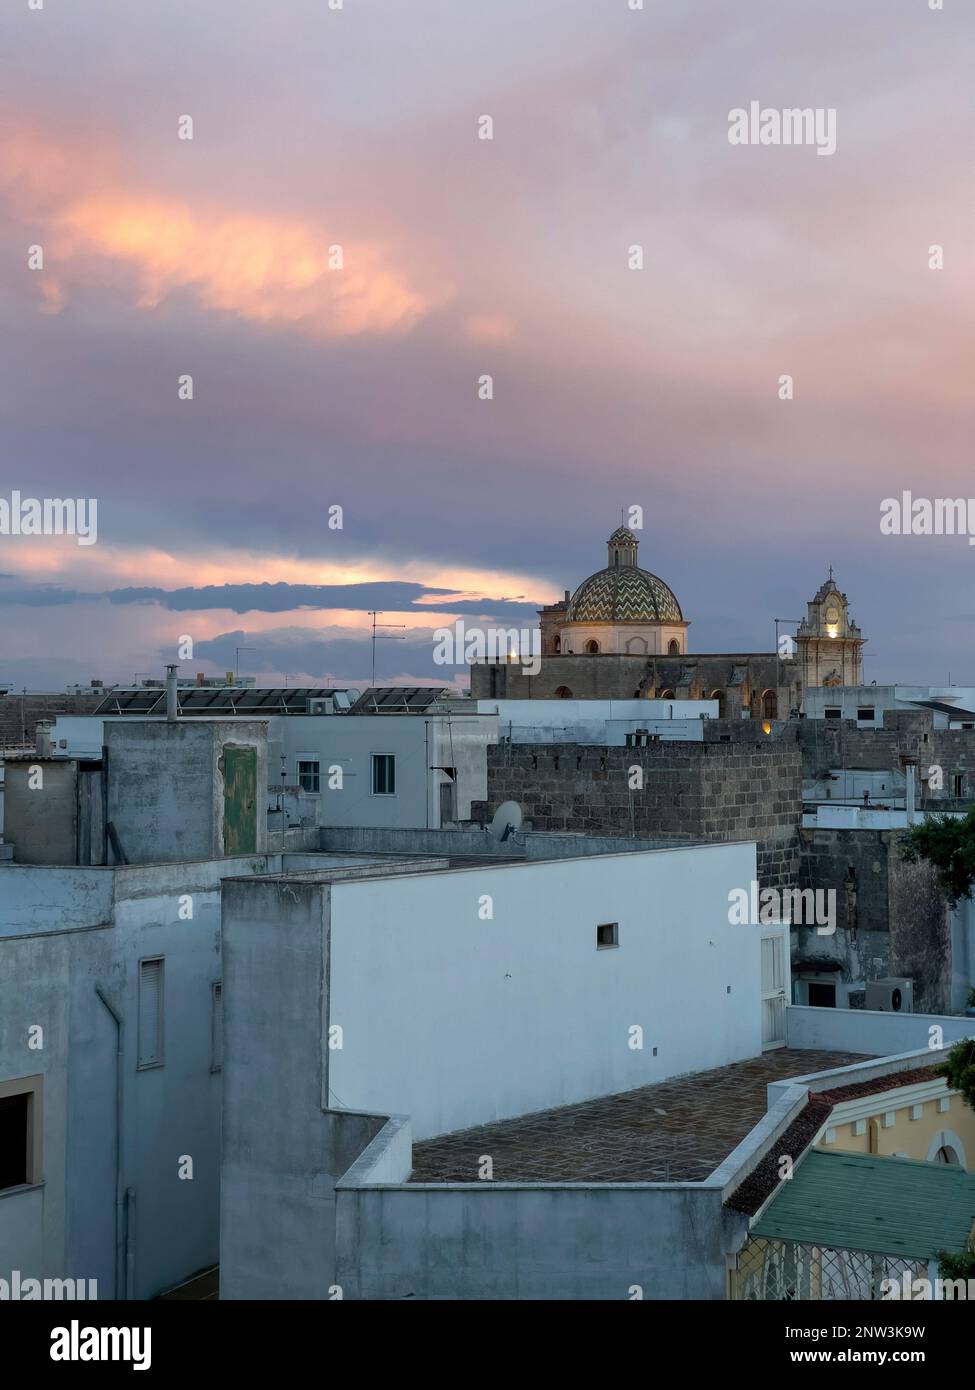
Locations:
column 957, row 1266
column 949, row 845
column 958, row 1069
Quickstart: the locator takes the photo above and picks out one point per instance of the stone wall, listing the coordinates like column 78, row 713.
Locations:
column 741, row 679
column 838, row 743
column 691, row 791
column 892, row 918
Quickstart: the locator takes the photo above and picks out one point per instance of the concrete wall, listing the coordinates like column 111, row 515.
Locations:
column 453, row 1020
column 277, row 1201
column 484, row 1003
column 868, row 1032
column 420, row 744
column 62, row 933
column 691, row 791
column 501, row 1241
column 41, row 820
column 165, row 786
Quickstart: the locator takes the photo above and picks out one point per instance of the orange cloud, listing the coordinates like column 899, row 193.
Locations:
column 268, row 269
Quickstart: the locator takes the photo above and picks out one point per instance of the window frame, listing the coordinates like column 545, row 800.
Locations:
column 33, row 1088
column 316, row 763
column 160, row 1060
column 614, row 928
column 373, row 767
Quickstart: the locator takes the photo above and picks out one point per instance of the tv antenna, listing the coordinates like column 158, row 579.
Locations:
column 375, row 613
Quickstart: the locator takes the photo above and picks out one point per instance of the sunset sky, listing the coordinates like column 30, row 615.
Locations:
column 313, row 386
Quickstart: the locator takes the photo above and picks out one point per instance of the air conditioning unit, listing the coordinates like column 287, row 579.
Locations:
column 890, row 996
column 322, row 704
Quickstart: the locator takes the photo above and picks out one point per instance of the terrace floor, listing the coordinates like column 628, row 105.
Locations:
column 675, row 1131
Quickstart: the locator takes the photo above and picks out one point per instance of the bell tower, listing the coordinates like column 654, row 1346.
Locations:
column 828, row 641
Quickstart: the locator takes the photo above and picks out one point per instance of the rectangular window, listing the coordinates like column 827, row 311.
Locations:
column 959, row 784
column 383, row 774
column 832, row 712
column 607, row 935
column 308, row 777
column 216, row 1026
column 151, row 1012
column 865, row 712
column 20, row 1132
column 14, row 1140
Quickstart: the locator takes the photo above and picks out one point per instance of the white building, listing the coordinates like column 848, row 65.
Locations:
column 606, row 722
column 953, row 706
column 399, row 769
column 457, row 997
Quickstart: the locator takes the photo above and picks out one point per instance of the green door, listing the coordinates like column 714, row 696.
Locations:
column 239, row 766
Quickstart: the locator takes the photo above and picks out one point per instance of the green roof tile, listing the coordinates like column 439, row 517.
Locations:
column 886, row 1206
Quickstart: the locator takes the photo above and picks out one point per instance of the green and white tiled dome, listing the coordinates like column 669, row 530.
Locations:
column 623, row 594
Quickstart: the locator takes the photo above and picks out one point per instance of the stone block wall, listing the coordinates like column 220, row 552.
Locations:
column 892, row 917
column 838, row 743
column 690, row 791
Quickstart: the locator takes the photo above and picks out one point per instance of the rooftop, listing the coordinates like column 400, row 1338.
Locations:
column 915, row 1209
column 675, row 1131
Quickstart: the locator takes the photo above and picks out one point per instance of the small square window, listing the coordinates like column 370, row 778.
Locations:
column 832, row 712
column 865, row 713
column 308, row 777
column 607, row 935
column 383, row 774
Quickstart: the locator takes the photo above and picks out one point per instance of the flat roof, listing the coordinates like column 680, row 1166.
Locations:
column 679, row 1130
column 881, row 1204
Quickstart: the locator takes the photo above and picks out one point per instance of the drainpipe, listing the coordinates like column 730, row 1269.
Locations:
column 130, row 1243
column 119, row 1224
column 172, row 706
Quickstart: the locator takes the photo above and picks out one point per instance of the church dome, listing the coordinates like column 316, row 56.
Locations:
column 622, row 592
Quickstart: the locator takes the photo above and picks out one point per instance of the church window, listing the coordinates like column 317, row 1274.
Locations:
column 558, row 644
column 673, row 647
column 563, row 693
column 592, row 647
column 770, row 705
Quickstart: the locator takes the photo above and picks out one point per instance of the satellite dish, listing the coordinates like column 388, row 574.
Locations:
column 507, row 819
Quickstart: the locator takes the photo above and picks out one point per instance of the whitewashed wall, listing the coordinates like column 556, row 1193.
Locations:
column 457, row 1021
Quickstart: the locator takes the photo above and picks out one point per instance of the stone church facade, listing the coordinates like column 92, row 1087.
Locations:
column 622, row 635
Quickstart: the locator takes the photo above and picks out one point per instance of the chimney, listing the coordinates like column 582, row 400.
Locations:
column 200, row 678
column 172, row 703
